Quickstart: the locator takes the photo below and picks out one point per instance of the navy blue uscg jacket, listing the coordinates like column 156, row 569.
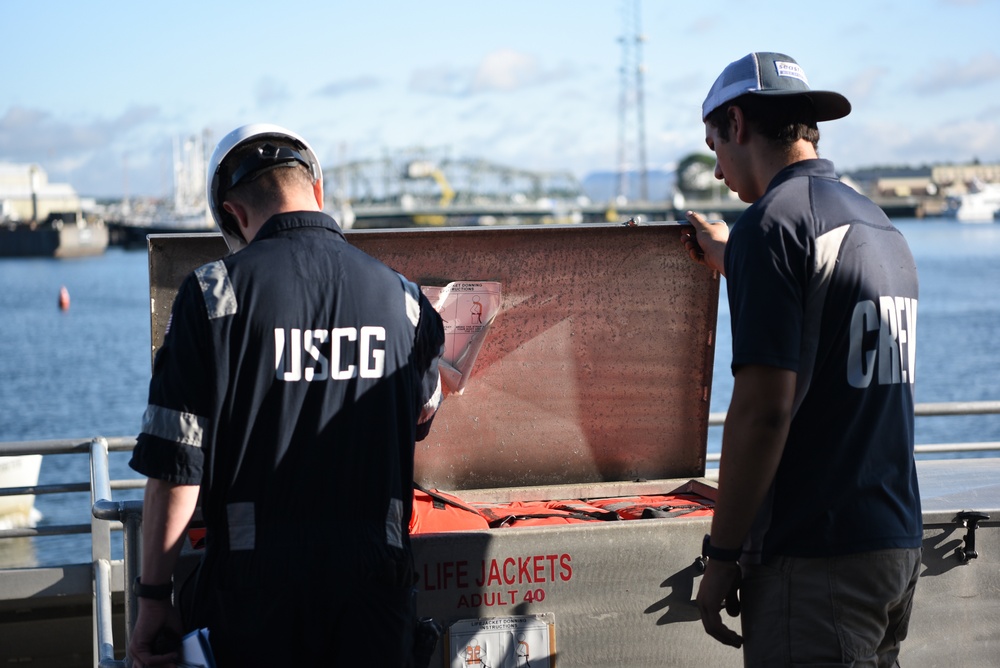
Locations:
column 821, row 283
column 294, row 378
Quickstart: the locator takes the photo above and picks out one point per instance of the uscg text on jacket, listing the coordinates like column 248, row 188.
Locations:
column 340, row 353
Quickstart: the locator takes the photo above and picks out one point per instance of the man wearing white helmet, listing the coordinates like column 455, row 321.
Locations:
column 294, row 378
column 817, row 530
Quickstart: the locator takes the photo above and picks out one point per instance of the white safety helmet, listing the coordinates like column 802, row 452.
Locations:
column 223, row 176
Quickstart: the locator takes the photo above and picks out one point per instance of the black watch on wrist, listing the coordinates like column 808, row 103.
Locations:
column 717, row 553
column 155, row 592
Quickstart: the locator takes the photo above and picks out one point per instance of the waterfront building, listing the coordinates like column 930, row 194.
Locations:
column 27, row 195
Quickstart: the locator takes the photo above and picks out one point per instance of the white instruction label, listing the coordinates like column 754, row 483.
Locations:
column 467, row 308
column 526, row 641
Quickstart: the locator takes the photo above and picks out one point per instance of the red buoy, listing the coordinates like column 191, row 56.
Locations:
column 63, row 299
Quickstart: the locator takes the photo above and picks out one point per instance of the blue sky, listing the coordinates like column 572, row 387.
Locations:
column 96, row 91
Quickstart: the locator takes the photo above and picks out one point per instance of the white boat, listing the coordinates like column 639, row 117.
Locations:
column 980, row 205
column 15, row 472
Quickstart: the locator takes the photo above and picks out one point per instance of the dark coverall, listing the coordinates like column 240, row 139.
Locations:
column 294, row 379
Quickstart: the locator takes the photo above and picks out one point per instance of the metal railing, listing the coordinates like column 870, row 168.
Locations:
column 107, row 517
column 61, row 447
column 110, row 516
column 921, row 410
column 105, row 511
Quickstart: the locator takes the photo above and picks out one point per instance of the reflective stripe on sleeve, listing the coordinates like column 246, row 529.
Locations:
column 412, row 293
column 171, row 425
column 394, row 523
column 430, row 408
column 216, row 288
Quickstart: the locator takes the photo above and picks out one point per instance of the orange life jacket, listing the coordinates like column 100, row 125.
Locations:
column 435, row 511
column 540, row 513
column 658, row 506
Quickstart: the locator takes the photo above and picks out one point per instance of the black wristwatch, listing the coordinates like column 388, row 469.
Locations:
column 156, row 592
column 717, row 553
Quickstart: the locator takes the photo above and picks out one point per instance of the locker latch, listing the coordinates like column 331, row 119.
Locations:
column 971, row 520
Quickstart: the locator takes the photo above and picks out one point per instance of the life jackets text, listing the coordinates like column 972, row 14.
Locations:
column 496, row 572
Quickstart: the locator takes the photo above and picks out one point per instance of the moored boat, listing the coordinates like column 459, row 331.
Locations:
column 64, row 237
column 19, row 472
column 980, row 205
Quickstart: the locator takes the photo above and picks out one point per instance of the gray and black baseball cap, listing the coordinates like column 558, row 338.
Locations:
column 767, row 73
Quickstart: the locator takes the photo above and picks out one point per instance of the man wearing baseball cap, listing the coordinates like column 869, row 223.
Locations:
column 817, row 530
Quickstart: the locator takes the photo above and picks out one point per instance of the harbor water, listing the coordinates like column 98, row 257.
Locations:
column 83, row 371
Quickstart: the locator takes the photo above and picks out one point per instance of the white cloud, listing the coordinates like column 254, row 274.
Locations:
column 864, row 84
column 28, row 134
column 347, row 86
column 951, row 75
column 855, row 145
column 506, row 70
column 503, row 71
column 270, row 91
column 440, row 80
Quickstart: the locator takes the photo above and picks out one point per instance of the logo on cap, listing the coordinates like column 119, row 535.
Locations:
column 787, row 69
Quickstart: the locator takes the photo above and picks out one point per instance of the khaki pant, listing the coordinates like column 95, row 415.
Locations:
column 851, row 610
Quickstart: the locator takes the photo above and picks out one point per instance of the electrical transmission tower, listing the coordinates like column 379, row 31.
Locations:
column 631, row 113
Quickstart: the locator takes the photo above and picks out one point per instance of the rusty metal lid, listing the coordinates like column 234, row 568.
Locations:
column 598, row 366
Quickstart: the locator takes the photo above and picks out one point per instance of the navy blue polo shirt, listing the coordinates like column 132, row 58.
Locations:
column 821, row 283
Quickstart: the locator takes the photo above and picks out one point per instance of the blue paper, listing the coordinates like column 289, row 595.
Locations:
column 196, row 652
